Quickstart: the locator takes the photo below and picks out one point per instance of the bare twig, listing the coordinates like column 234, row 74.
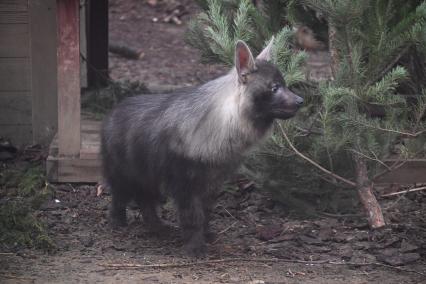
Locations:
column 229, row 213
column 227, row 229
column 340, row 215
column 376, row 159
column 125, row 51
column 206, row 262
column 351, row 183
column 11, row 276
column 404, row 191
column 406, row 134
column 224, row 231
column 118, row 266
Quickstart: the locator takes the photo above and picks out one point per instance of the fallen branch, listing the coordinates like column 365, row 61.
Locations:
column 404, row 191
column 351, row 183
column 115, row 266
column 125, row 51
column 224, row 231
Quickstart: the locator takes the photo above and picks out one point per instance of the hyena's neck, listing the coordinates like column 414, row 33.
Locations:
column 224, row 131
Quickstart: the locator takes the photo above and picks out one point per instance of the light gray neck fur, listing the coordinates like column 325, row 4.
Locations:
column 222, row 131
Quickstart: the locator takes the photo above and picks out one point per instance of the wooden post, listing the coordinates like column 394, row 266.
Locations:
column 97, row 43
column 68, row 52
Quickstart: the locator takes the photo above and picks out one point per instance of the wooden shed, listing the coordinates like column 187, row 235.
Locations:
column 28, row 82
column 46, row 48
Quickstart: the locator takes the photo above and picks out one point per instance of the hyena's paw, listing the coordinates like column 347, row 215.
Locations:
column 117, row 221
column 197, row 250
column 210, row 236
column 161, row 229
column 194, row 243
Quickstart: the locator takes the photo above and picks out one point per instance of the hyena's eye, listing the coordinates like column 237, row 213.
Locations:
column 275, row 87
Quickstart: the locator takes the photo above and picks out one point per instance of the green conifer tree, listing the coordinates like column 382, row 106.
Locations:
column 352, row 123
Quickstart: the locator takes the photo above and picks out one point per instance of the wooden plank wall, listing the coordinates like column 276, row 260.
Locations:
column 44, row 88
column 15, row 77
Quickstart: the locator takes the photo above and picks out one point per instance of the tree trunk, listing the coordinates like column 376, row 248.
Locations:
column 366, row 195
column 333, row 51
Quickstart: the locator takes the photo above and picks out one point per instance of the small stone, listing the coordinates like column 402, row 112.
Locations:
column 310, row 240
column 346, row 252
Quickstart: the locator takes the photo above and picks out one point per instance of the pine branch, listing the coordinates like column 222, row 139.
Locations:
column 351, row 183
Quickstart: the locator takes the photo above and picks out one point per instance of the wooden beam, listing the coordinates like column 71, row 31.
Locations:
column 97, row 43
column 68, row 52
column 86, row 167
column 44, row 86
column 83, row 46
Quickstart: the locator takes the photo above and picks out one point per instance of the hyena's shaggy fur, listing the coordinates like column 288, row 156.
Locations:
column 185, row 144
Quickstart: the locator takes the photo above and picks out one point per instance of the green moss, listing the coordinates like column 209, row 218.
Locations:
column 22, row 193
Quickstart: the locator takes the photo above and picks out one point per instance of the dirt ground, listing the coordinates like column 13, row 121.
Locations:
column 258, row 241
column 166, row 58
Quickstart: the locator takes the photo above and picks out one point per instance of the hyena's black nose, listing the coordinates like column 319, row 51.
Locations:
column 299, row 101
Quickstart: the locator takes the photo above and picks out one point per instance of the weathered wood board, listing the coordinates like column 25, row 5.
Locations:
column 15, row 108
column 17, row 132
column 15, row 77
column 44, row 70
column 15, row 41
column 13, row 5
column 84, row 168
column 15, row 74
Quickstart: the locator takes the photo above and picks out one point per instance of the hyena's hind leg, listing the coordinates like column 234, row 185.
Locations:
column 120, row 193
column 117, row 212
column 149, row 203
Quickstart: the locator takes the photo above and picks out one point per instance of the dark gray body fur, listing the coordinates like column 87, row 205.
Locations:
column 183, row 145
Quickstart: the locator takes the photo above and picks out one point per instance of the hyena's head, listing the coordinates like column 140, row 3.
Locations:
column 265, row 92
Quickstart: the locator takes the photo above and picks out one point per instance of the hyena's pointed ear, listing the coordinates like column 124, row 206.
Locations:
column 266, row 53
column 244, row 61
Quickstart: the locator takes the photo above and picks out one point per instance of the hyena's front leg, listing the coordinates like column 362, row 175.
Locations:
column 192, row 221
column 209, row 201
